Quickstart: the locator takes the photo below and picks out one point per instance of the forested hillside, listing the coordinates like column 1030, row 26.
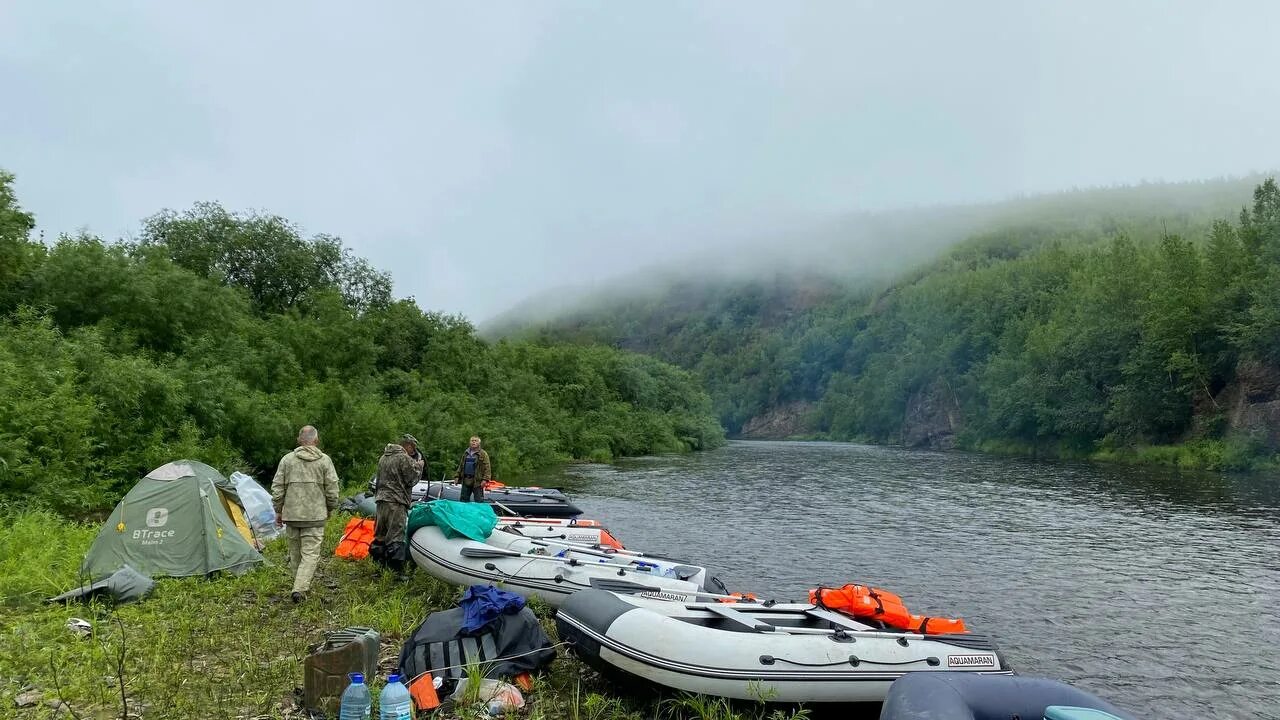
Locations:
column 1095, row 323
column 216, row 335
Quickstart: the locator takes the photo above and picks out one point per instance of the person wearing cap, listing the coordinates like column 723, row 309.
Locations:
column 397, row 474
column 415, row 454
column 472, row 472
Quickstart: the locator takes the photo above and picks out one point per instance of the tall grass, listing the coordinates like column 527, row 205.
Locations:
column 233, row 647
column 222, row 647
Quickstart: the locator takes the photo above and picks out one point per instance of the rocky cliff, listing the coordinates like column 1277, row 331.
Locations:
column 932, row 417
column 1251, row 404
column 779, row 423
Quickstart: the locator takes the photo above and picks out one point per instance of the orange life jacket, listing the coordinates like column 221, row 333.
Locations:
column 356, row 538
column 608, row 540
column 738, row 597
column 864, row 602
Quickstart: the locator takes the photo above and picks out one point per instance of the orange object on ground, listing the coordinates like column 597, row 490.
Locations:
column 423, row 692
column 739, row 597
column 356, row 538
column 870, row 603
column 524, row 681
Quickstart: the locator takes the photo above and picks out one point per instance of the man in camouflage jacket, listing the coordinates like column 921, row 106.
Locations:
column 304, row 492
column 397, row 474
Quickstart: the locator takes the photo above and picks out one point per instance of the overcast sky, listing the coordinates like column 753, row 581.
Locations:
column 485, row 151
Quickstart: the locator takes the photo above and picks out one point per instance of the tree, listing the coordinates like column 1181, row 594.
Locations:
column 18, row 254
column 264, row 254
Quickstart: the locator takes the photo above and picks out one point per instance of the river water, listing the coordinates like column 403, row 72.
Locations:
column 1156, row 590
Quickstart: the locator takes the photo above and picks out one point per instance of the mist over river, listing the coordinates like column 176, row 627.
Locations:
column 1156, row 589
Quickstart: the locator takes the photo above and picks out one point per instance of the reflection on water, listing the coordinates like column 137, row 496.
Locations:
column 1155, row 589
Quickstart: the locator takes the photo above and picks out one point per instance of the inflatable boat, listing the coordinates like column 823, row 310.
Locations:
column 972, row 696
column 538, row 502
column 544, row 574
column 779, row 652
column 654, row 566
column 583, row 532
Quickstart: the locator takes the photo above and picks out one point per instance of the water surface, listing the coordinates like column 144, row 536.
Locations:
column 1155, row 589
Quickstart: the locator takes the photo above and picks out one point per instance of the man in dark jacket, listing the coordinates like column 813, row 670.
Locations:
column 473, row 472
column 397, row 473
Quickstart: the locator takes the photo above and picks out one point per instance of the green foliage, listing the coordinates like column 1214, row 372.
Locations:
column 1078, row 325
column 17, row 252
column 266, row 255
column 219, row 335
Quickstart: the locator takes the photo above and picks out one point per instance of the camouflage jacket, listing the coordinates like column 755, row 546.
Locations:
column 397, row 474
column 305, row 488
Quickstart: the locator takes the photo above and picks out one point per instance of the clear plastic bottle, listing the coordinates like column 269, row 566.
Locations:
column 394, row 702
column 357, row 700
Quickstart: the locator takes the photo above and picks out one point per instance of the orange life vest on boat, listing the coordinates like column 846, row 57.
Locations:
column 608, row 540
column 860, row 601
column 738, row 597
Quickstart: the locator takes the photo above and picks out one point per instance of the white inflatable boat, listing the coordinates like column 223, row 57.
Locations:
column 790, row 652
column 587, row 532
column 641, row 563
column 466, row 562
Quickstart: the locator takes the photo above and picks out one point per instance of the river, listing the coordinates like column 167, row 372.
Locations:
column 1154, row 589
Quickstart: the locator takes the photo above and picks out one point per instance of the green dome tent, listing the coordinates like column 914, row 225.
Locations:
column 176, row 521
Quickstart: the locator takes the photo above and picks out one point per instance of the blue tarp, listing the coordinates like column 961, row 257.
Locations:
column 455, row 519
column 482, row 604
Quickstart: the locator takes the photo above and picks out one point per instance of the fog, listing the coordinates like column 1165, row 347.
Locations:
column 484, row 153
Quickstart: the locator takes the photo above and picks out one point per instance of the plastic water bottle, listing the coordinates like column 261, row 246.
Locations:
column 394, row 702
column 357, row 701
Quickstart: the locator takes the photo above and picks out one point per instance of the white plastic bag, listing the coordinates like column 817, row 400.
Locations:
column 505, row 695
column 257, row 507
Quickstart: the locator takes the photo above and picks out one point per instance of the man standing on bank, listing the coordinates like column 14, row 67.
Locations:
column 473, row 472
column 304, row 493
column 397, row 474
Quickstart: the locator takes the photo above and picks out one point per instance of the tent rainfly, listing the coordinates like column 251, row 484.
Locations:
column 178, row 521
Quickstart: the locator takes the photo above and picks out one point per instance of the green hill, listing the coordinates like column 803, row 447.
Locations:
column 1094, row 322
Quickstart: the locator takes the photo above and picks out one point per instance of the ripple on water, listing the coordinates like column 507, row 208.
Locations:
column 1157, row 590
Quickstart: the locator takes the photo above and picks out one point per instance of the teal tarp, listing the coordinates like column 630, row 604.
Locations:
column 455, row 519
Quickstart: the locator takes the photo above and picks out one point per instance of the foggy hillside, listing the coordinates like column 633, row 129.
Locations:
column 865, row 251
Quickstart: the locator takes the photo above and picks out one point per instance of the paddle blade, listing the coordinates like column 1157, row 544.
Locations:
column 479, row 552
column 621, row 586
column 624, row 587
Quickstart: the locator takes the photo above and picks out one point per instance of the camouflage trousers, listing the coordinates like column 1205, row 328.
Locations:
column 304, row 553
column 388, row 546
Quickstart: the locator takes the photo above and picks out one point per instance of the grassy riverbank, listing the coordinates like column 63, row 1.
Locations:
column 233, row 647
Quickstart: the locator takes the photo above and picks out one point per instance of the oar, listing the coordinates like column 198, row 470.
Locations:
column 513, row 513
column 682, row 570
column 478, row 552
column 591, row 550
column 626, row 587
column 563, row 540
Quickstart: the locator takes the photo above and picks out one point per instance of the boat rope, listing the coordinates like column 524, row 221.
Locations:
column 853, row 660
